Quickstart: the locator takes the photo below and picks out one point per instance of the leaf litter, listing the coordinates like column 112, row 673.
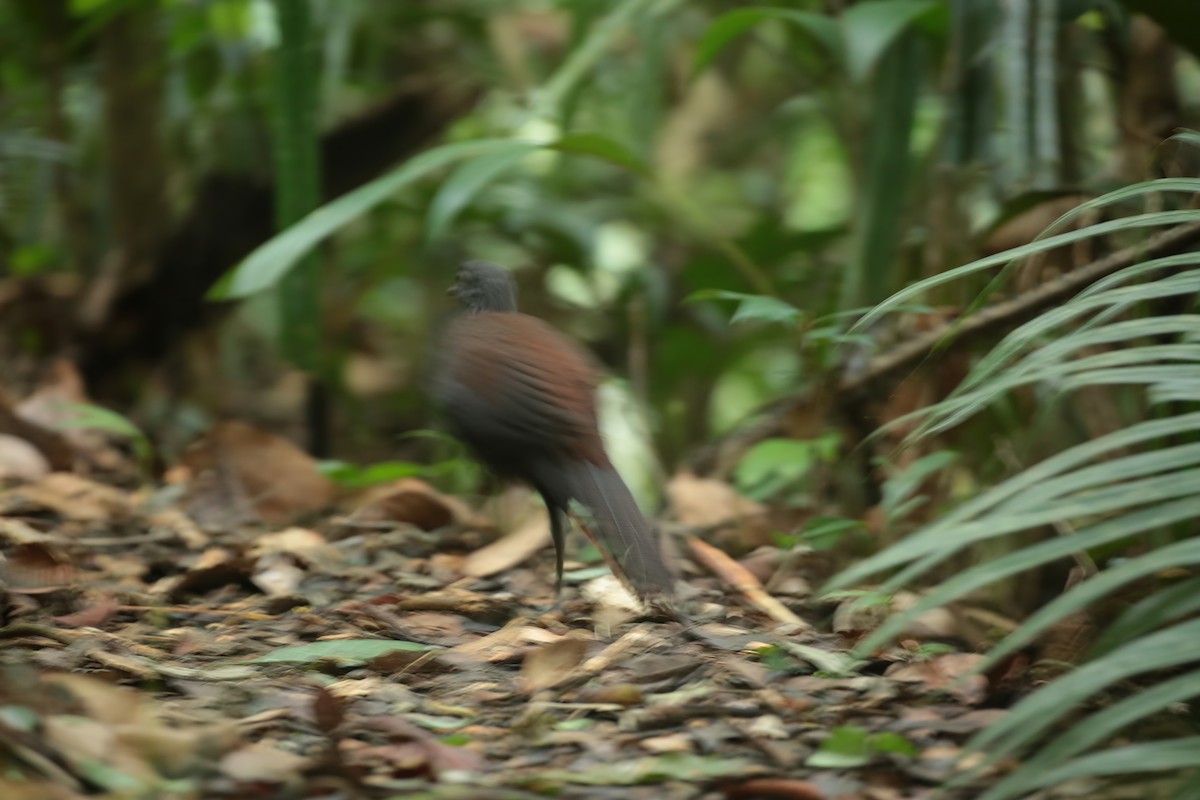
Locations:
column 247, row 631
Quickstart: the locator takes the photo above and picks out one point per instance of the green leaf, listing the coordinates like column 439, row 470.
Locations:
column 270, row 261
column 1160, row 756
column 457, row 192
column 776, row 464
column 86, row 415
column 1094, row 730
column 346, row 651
column 585, row 55
column 725, row 28
column 1029, row 720
column 830, row 662
column 602, row 147
column 356, row 477
column 888, row 742
column 773, row 657
column 824, row 533
column 844, row 748
column 752, row 306
column 870, row 28
column 883, row 196
column 1108, row 227
column 934, row 539
column 901, row 488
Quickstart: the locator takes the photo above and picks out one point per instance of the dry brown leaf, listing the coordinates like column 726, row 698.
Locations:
column 411, row 501
column 850, row 618
column 51, row 444
column 304, row 544
column 95, row 614
column 705, row 502
column 328, row 710
column 546, row 666
column 70, row 497
column 773, row 789
column 262, row 762
column 215, row 567
column 20, row 461
column 277, row 575
column 35, row 790
column 510, row 550
column 276, row 479
column 50, row 407
column 669, row 743
column 950, row 672
column 37, row 567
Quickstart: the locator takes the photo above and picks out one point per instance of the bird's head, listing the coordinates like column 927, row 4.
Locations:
column 484, row 286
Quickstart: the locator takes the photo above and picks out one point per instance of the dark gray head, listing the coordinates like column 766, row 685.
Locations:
column 484, row 286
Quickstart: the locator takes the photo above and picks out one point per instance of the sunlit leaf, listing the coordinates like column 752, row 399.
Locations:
column 470, row 177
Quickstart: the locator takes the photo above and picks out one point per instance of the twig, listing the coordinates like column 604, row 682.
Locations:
column 741, row 579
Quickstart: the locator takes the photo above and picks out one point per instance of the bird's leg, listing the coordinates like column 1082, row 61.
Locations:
column 558, row 534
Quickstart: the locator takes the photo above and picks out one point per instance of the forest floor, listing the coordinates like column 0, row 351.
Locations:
column 218, row 636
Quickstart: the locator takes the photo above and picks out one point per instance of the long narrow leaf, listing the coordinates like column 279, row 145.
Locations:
column 909, row 294
column 724, row 29
column 1137, row 758
column 467, row 180
column 1034, row 715
column 933, row 539
column 1180, row 554
column 1026, row 558
column 271, row 261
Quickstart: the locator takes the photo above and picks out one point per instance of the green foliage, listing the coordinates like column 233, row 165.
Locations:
column 775, row 465
column 851, row 746
column 1133, row 485
column 87, row 416
column 355, row 477
column 753, row 307
column 824, row 533
column 899, row 491
column 297, row 179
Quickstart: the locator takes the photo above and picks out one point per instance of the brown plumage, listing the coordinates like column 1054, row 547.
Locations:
column 522, row 396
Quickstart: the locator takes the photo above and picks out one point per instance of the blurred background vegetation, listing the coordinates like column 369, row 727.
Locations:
column 818, row 155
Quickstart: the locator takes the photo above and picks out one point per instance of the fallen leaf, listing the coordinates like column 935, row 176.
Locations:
column 277, row 575
column 411, row 501
column 704, row 502
column 328, row 711
column 93, row 615
column 262, row 762
column 253, row 467
column 510, row 550
column 37, row 567
column 550, row 663
column 20, row 461
column 68, row 496
column 306, row 545
column 354, row 651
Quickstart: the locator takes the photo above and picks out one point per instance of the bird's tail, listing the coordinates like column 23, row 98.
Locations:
column 611, row 518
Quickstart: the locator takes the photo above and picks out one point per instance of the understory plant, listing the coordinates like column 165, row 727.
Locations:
column 1127, row 501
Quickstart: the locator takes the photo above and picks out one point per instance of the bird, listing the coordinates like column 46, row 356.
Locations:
column 522, row 396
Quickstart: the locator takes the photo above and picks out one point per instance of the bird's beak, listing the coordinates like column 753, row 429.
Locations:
column 453, row 290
